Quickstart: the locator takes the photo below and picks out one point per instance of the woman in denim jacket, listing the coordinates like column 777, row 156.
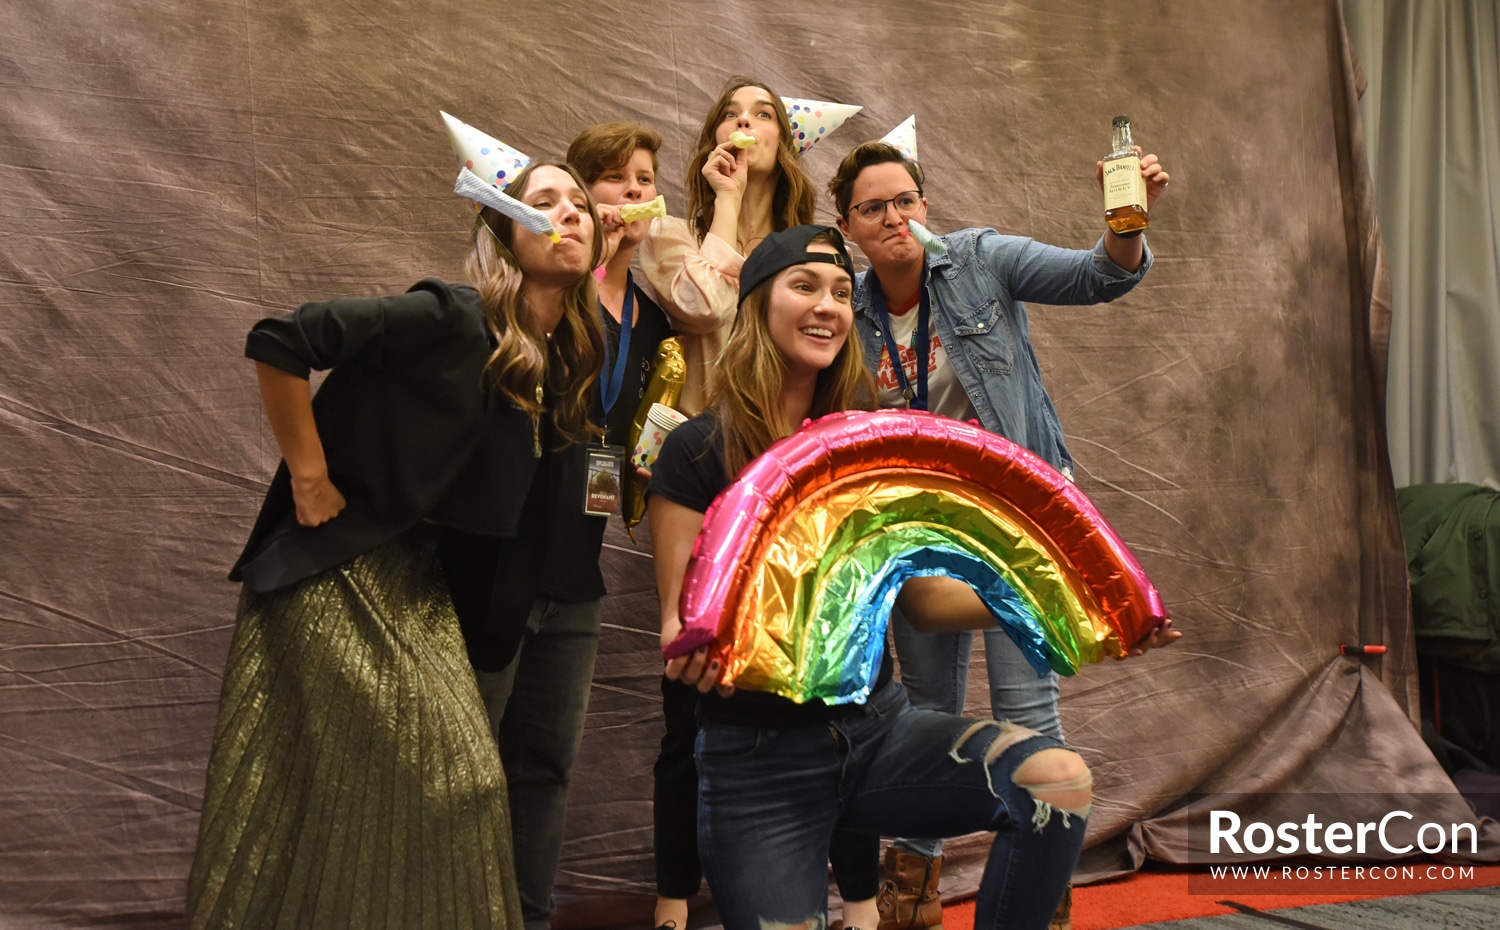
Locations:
column 967, row 306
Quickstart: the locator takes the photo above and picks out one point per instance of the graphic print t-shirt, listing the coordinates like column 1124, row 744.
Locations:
column 945, row 395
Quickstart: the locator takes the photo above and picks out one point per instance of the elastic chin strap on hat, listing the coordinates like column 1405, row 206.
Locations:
column 505, row 253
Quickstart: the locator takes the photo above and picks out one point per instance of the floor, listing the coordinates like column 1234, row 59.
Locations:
column 1471, row 909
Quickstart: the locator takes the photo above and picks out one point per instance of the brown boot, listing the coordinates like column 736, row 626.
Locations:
column 1063, row 919
column 908, row 898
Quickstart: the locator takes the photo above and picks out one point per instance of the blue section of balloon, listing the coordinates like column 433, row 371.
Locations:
column 877, row 597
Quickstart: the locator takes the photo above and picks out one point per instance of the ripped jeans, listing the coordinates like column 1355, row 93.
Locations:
column 769, row 801
column 935, row 670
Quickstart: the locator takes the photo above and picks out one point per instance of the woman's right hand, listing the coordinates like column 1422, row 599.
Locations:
column 614, row 228
column 698, row 670
column 317, row 500
column 727, row 170
column 671, row 628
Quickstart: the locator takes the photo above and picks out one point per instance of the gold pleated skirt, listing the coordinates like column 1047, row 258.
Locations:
column 354, row 781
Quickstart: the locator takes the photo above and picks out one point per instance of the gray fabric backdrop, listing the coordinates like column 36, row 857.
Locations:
column 1430, row 114
column 172, row 171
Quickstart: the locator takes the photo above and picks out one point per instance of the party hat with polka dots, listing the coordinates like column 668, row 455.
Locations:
column 489, row 165
column 483, row 154
column 813, row 120
column 904, row 138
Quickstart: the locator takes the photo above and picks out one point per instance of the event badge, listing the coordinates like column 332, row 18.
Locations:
column 603, row 490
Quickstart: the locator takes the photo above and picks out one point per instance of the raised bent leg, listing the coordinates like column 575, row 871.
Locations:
column 932, row 774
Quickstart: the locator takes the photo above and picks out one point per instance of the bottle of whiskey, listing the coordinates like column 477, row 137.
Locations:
column 1124, row 188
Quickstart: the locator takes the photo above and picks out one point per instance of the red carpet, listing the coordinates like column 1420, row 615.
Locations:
column 1156, row 894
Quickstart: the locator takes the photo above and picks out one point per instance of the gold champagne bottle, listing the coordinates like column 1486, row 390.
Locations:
column 1124, row 188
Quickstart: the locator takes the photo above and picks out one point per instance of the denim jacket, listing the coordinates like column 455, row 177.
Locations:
column 977, row 291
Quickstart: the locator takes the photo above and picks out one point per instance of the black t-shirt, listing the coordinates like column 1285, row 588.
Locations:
column 690, row 471
column 569, row 564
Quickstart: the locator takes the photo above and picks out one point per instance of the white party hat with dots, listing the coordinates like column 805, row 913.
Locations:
column 814, row 120
column 904, row 137
column 483, row 154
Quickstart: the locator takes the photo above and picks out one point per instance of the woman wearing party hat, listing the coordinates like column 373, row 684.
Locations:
column 778, row 777
column 744, row 181
column 353, row 780
column 538, row 701
column 944, row 328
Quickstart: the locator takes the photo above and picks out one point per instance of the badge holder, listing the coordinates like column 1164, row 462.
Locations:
column 603, row 490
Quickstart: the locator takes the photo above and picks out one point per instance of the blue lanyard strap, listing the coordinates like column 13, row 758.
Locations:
column 915, row 399
column 610, row 388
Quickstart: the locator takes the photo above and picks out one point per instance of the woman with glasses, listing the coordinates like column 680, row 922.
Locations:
column 737, row 195
column 957, row 324
column 779, row 779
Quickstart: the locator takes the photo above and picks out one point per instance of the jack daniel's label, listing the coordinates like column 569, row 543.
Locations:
column 1123, row 184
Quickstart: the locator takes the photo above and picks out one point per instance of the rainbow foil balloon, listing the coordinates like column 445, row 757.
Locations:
column 801, row 558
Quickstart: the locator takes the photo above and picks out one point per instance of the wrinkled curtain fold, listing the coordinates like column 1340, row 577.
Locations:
column 1432, row 117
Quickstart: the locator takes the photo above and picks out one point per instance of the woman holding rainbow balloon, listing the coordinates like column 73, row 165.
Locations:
column 778, row 778
column 744, row 182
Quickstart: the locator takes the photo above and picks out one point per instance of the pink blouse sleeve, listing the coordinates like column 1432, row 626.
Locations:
column 697, row 283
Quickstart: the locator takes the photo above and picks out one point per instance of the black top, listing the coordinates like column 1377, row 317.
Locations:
column 494, row 580
column 646, row 335
column 568, row 568
column 410, row 426
column 690, row 471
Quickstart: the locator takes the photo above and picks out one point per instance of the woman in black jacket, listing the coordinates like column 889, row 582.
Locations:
column 353, row 779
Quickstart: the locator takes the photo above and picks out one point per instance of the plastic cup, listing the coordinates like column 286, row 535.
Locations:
column 660, row 420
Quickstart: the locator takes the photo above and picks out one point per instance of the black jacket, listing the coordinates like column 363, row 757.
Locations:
column 410, row 426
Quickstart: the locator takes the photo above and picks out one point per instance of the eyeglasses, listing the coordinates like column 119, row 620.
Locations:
column 873, row 211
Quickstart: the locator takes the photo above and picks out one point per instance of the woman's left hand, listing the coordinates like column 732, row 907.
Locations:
column 698, row 670
column 1158, row 638
column 1156, row 176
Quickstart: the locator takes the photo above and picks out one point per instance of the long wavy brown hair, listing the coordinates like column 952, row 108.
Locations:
column 746, row 395
column 795, row 198
column 522, row 360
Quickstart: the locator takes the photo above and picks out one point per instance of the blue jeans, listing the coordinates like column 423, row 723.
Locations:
column 855, row 857
column 537, row 705
column 769, row 800
column 935, row 670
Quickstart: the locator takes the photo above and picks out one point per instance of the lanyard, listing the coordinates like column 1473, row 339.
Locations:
column 610, row 390
column 915, row 399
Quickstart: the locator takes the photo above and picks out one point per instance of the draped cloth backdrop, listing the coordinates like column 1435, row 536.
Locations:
column 172, row 171
column 1432, row 117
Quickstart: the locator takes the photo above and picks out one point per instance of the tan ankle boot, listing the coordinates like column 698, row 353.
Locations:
column 908, row 898
column 1063, row 919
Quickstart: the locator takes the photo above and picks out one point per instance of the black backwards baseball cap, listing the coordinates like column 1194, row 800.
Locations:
column 781, row 250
